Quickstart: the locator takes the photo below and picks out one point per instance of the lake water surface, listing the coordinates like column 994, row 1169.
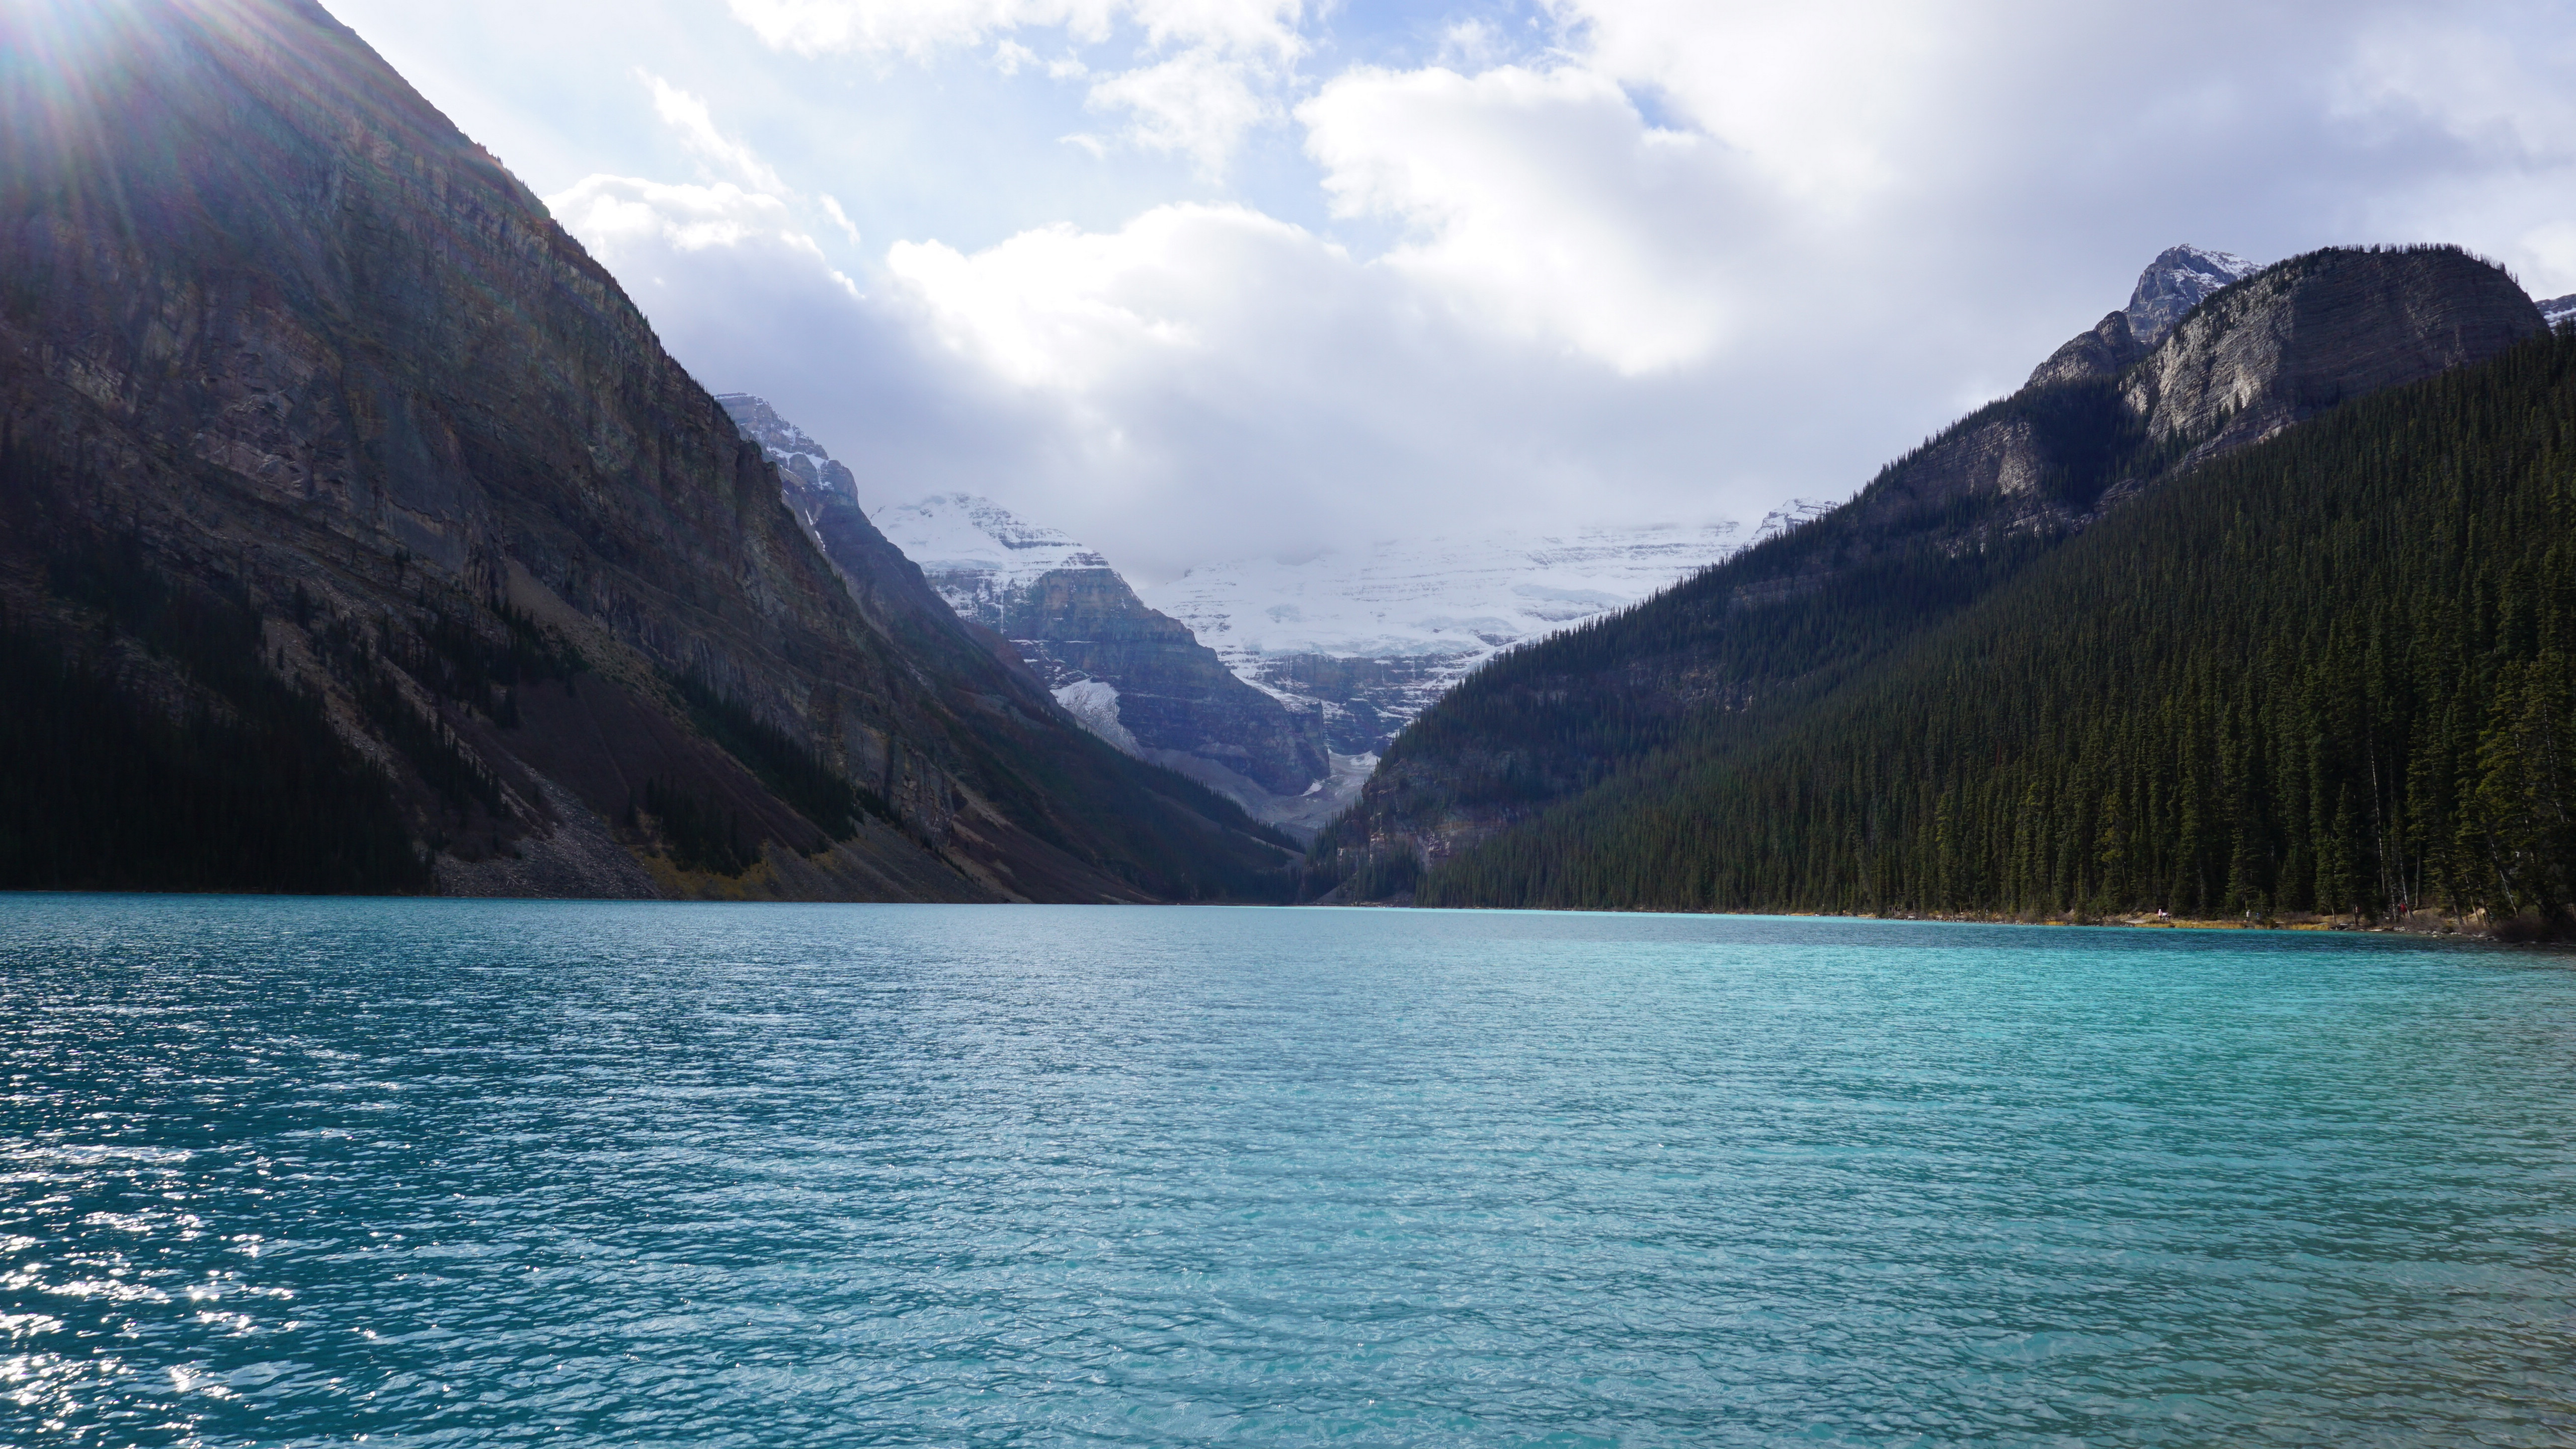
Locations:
column 438, row 1172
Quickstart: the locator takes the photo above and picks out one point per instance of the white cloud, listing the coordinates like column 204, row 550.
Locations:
column 919, row 27
column 1655, row 259
column 2473, row 85
column 1199, row 102
column 840, row 218
column 1543, row 204
column 613, row 213
column 1826, row 95
column 688, row 116
column 1206, row 72
column 2549, row 251
column 1215, row 381
column 1065, row 309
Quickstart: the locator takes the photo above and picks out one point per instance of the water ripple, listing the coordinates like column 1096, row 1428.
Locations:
column 446, row 1173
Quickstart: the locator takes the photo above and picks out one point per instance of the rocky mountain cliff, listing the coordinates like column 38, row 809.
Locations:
column 1328, row 658
column 1936, row 530
column 2248, row 360
column 804, row 468
column 357, row 533
column 1135, row 676
column 2179, row 279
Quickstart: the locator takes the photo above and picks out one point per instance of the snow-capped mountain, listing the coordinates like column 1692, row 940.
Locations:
column 2557, row 310
column 1373, row 634
column 1350, row 646
column 2174, row 283
column 978, row 554
column 789, row 446
column 1276, row 684
column 1131, row 675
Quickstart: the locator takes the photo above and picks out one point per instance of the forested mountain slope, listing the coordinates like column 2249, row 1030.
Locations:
column 356, row 533
column 2333, row 673
column 1783, row 625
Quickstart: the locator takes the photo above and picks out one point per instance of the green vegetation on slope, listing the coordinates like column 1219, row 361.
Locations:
column 792, row 772
column 155, row 751
column 2333, row 673
column 1780, row 623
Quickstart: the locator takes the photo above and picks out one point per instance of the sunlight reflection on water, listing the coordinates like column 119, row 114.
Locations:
column 295, row 1171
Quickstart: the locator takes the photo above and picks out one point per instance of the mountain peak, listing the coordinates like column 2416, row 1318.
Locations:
column 790, row 447
column 961, row 533
column 2174, row 283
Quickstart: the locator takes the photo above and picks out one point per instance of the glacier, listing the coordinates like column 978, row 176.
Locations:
column 1371, row 635
column 1278, row 683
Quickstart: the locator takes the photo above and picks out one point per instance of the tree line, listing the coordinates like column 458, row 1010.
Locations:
column 2335, row 673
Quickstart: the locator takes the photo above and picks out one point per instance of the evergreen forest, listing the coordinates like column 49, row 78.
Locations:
column 2331, row 674
column 156, row 751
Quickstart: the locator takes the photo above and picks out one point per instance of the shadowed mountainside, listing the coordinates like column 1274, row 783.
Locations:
column 323, row 439
column 2330, row 676
column 1796, row 617
column 1135, row 677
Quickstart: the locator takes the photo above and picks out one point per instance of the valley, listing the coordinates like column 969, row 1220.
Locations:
column 1277, row 685
column 311, row 607
column 824, row 722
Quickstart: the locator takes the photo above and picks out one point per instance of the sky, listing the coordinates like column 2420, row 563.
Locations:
column 1197, row 280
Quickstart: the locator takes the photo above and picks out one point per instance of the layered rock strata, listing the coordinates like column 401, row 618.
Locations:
column 275, row 336
column 1135, row 676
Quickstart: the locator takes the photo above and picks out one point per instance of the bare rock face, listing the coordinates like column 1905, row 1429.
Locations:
column 1146, row 681
column 2106, row 351
column 273, row 332
column 2246, row 361
column 1174, row 693
column 2200, row 364
column 803, row 464
column 2174, row 283
column 2312, row 332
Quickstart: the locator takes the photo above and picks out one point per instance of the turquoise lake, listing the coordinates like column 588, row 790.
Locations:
column 300, row 1172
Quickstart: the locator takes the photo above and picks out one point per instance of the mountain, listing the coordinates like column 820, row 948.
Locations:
column 1318, row 663
column 356, row 533
column 1742, row 649
column 1369, row 636
column 2559, row 310
column 1134, row 677
column 2332, row 675
column 805, row 470
column 2179, row 279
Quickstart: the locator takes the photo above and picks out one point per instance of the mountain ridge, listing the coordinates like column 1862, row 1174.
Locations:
column 1128, row 673
column 2324, row 680
column 277, row 340
column 1939, row 528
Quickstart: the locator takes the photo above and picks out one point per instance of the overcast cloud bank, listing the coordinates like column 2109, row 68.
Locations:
column 1604, row 261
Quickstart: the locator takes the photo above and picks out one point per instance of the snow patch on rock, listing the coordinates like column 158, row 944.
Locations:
column 2175, row 282
column 1093, row 703
column 977, row 553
